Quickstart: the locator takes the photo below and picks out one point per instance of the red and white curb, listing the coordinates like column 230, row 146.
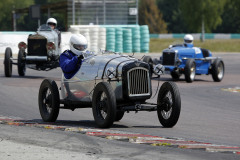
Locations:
column 126, row 136
column 235, row 90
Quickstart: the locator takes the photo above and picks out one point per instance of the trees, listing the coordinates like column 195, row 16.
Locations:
column 207, row 11
column 6, row 16
column 150, row 15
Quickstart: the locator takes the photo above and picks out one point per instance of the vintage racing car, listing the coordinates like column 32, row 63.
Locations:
column 42, row 52
column 191, row 61
column 110, row 84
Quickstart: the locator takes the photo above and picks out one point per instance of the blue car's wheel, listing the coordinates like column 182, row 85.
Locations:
column 169, row 104
column 217, row 70
column 190, row 70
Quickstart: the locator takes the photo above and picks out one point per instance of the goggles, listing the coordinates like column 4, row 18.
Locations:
column 80, row 47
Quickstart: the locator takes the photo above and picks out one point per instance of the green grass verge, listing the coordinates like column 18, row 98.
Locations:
column 214, row 45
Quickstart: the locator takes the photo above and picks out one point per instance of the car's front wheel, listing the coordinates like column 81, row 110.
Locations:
column 168, row 104
column 104, row 105
column 217, row 70
column 21, row 63
column 190, row 70
column 119, row 115
column 175, row 75
column 8, row 62
column 48, row 100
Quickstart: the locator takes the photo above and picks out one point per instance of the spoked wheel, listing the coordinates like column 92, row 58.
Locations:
column 21, row 63
column 217, row 70
column 119, row 115
column 104, row 105
column 8, row 62
column 190, row 70
column 149, row 60
column 48, row 100
column 169, row 104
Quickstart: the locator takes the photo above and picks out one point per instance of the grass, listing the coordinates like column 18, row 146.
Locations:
column 214, row 45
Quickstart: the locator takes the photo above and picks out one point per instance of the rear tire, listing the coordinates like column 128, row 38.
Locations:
column 21, row 63
column 190, row 70
column 168, row 104
column 217, row 70
column 8, row 62
column 48, row 100
column 104, row 105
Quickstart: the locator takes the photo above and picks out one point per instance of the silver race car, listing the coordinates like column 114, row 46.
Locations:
column 41, row 53
column 110, row 84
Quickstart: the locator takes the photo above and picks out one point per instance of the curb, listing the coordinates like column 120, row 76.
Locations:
column 126, row 136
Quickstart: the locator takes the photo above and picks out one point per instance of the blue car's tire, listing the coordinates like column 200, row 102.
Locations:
column 217, row 70
column 175, row 75
column 168, row 104
column 48, row 100
column 190, row 70
column 104, row 105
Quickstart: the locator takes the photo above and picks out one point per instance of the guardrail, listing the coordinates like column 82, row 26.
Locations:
column 198, row 35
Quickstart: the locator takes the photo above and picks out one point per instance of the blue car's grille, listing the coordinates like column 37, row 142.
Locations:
column 168, row 58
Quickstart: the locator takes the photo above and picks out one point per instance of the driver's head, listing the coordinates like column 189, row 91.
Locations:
column 78, row 44
column 52, row 22
column 188, row 39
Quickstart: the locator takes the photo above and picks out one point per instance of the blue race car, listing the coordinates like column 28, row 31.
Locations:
column 188, row 60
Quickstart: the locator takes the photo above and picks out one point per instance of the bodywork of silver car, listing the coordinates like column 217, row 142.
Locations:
column 128, row 76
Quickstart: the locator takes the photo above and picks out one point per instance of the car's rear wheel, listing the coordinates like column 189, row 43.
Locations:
column 149, row 61
column 48, row 100
column 8, row 62
column 190, row 70
column 168, row 104
column 21, row 63
column 119, row 115
column 217, row 70
column 104, row 105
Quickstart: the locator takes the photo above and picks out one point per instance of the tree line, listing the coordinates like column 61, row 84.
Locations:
column 162, row 16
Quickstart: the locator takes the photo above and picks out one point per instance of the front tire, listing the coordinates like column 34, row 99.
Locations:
column 104, row 105
column 175, row 75
column 21, row 63
column 168, row 104
column 48, row 100
column 190, row 70
column 8, row 62
column 217, row 70
column 119, row 115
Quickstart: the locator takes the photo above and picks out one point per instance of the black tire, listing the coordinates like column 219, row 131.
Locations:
column 21, row 63
column 169, row 104
column 104, row 105
column 48, row 100
column 218, row 70
column 119, row 115
column 8, row 62
column 149, row 61
column 175, row 75
column 190, row 70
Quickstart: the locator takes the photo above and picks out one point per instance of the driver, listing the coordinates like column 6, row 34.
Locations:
column 52, row 22
column 188, row 40
column 70, row 60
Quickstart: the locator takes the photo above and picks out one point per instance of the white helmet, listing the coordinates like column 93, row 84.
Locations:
column 188, row 38
column 52, row 21
column 78, row 43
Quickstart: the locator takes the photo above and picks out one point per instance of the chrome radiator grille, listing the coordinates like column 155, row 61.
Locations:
column 138, row 82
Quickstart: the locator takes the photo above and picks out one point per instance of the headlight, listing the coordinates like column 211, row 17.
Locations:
column 110, row 72
column 159, row 69
column 51, row 46
column 22, row 45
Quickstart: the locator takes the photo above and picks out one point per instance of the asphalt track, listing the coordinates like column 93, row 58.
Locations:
column 210, row 110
